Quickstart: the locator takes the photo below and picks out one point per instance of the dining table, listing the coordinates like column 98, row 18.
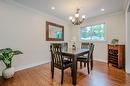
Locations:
column 73, row 54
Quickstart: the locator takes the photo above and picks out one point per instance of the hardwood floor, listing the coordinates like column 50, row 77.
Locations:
column 101, row 75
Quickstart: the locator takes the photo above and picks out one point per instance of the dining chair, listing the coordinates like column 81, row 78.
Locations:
column 58, row 61
column 91, row 55
column 86, row 59
column 64, row 46
column 84, row 45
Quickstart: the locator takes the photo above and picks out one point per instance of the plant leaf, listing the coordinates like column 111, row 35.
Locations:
column 9, row 50
column 1, row 57
column 6, row 50
column 17, row 52
column 2, row 50
column 7, row 62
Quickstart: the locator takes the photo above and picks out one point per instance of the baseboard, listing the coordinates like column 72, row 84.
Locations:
column 30, row 65
column 128, row 71
column 100, row 60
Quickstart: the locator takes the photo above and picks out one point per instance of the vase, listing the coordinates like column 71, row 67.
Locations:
column 73, row 47
column 8, row 73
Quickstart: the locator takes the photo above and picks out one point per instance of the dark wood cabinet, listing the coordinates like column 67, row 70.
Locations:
column 116, row 55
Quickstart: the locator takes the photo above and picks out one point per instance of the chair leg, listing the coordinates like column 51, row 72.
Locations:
column 52, row 71
column 91, row 62
column 84, row 64
column 70, row 59
column 88, row 67
column 80, row 64
column 62, row 76
column 71, row 72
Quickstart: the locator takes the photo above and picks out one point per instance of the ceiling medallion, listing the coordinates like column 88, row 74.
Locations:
column 76, row 19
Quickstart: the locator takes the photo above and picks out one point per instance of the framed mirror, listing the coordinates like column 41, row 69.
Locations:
column 54, row 32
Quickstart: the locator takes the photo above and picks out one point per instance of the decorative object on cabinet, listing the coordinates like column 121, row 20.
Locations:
column 54, row 32
column 116, row 55
column 114, row 41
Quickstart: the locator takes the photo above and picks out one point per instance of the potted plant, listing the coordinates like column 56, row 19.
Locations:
column 114, row 41
column 6, row 56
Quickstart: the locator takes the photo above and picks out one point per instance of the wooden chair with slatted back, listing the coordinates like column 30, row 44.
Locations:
column 91, row 55
column 86, row 59
column 84, row 45
column 58, row 61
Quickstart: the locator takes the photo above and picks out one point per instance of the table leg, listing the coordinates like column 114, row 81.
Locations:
column 92, row 62
column 74, row 70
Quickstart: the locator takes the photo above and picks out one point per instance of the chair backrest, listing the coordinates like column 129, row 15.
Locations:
column 56, row 55
column 91, row 51
column 64, row 45
column 84, row 45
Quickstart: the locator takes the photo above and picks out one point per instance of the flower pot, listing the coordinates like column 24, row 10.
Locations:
column 8, row 73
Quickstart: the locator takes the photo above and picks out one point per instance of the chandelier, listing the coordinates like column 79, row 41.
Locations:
column 76, row 19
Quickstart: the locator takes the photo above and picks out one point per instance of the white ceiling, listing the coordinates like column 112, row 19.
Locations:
column 65, row 8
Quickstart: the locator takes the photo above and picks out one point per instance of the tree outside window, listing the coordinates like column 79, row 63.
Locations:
column 94, row 32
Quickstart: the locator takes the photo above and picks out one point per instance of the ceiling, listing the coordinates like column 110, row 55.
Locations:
column 66, row 8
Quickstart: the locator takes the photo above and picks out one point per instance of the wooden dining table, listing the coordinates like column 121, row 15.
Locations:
column 73, row 54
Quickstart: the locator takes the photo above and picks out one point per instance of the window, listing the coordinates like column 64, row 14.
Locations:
column 93, row 33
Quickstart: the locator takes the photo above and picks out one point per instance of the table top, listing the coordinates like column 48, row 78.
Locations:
column 75, row 52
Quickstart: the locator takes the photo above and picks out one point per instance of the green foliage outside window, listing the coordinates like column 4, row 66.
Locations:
column 95, row 32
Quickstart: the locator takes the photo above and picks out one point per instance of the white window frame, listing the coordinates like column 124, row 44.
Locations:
column 105, row 33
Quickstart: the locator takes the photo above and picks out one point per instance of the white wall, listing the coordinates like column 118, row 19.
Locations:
column 24, row 29
column 127, row 24
column 115, row 28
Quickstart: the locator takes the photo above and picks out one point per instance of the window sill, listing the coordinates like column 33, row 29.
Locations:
column 93, row 41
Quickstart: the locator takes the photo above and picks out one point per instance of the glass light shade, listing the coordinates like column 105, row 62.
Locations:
column 53, row 8
column 76, row 15
column 73, row 20
column 70, row 18
column 83, row 16
column 102, row 9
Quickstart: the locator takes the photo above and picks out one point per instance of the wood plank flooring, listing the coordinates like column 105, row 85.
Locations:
column 101, row 75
